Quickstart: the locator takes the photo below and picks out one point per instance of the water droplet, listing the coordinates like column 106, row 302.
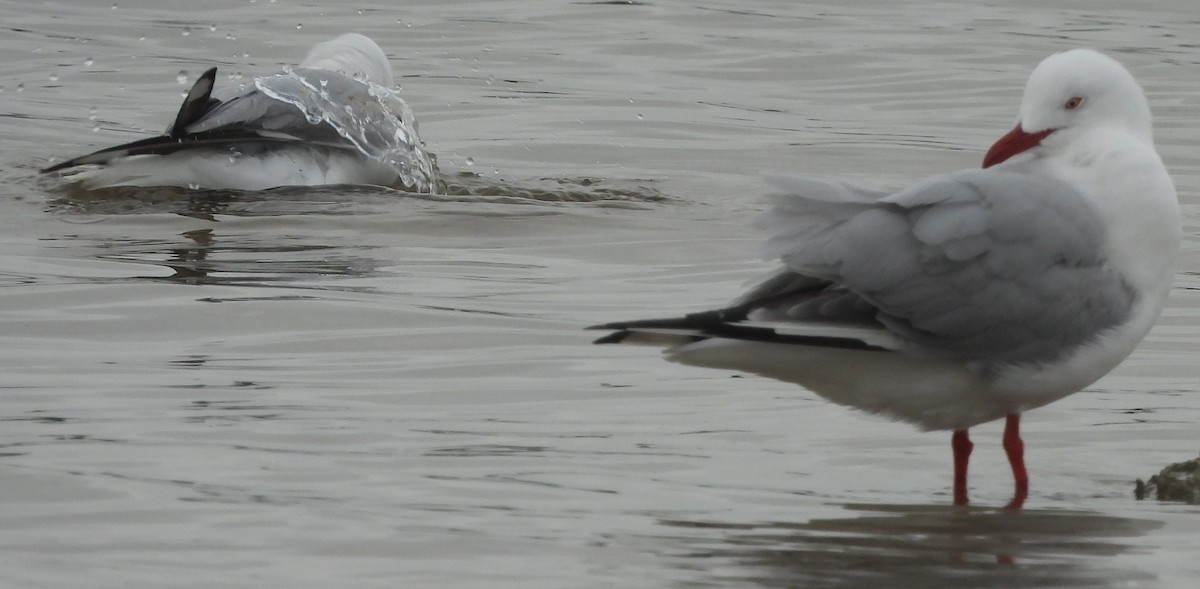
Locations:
column 89, row 62
column 212, row 28
column 186, row 31
column 234, row 154
column 640, row 117
column 53, row 77
column 95, row 128
column 142, row 38
column 230, row 37
column 193, row 186
column 299, row 26
column 181, row 77
column 114, row 7
column 21, row 87
column 470, row 161
column 92, row 114
column 324, row 83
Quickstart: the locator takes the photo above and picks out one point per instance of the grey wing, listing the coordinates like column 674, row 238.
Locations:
column 319, row 106
column 996, row 266
column 261, row 109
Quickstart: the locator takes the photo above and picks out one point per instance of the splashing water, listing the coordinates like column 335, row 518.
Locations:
column 377, row 122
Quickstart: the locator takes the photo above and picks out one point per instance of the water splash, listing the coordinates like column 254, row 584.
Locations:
column 377, row 122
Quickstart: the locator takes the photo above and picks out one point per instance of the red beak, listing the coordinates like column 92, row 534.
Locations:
column 1015, row 142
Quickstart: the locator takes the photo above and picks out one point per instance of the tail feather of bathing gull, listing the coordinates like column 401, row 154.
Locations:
column 333, row 120
column 971, row 296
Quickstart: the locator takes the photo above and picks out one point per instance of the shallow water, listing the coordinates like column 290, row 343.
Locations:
column 362, row 387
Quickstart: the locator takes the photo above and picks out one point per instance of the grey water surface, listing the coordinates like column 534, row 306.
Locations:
column 360, row 387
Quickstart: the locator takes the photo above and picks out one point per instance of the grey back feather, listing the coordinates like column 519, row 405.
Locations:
column 997, row 266
column 253, row 109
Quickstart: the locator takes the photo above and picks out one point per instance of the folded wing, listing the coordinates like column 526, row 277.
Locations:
column 1007, row 266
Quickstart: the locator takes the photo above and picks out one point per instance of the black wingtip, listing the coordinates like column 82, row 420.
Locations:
column 618, row 332
column 723, row 323
column 197, row 102
column 57, row 167
column 615, row 337
column 698, row 322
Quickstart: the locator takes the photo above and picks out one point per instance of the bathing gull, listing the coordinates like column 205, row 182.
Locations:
column 334, row 119
column 971, row 296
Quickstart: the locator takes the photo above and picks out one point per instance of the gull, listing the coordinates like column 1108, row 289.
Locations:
column 334, row 119
column 970, row 296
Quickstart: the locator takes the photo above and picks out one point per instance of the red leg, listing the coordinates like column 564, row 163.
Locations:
column 962, row 454
column 1015, row 448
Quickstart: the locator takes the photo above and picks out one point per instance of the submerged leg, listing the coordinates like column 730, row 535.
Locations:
column 1015, row 448
column 962, row 454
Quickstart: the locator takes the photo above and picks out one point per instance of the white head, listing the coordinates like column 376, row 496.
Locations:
column 353, row 55
column 1070, row 94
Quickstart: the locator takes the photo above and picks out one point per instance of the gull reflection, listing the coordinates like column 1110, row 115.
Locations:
column 921, row 546
column 209, row 257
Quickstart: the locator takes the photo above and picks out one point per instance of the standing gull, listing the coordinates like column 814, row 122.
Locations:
column 335, row 119
column 970, row 296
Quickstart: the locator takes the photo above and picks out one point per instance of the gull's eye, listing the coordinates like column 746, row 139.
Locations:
column 1074, row 103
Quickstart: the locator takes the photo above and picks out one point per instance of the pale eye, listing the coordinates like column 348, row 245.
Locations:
column 1074, row 103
